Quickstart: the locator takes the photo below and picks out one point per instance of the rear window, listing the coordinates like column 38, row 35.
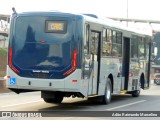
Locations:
column 33, row 48
column 38, row 45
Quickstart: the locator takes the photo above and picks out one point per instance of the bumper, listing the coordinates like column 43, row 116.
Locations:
column 62, row 85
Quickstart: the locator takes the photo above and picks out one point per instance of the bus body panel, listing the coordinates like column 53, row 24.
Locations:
column 111, row 66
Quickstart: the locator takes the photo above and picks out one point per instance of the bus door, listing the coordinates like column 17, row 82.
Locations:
column 91, row 59
column 95, row 58
column 126, row 62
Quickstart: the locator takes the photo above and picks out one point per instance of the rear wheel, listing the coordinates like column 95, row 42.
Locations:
column 135, row 93
column 53, row 100
column 106, row 98
column 51, row 97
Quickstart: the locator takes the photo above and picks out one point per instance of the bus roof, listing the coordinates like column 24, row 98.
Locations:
column 100, row 20
column 111, row 23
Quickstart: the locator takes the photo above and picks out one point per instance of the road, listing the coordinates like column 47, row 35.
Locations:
column 149, row 100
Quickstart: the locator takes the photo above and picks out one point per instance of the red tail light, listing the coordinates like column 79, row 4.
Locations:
column 10, row 61
column 74, row 63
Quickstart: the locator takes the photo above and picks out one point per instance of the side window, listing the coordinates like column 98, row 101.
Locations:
column 94, row 44
column 141, row 47
column 86, row 60
column 147, row 47
column 117, row 44
column 104, row 43
column 134, row 47
column 86, row 40
column 114, row 36
column 107, row 42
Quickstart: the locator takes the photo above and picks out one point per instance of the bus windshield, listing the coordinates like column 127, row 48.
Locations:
column 42, row 43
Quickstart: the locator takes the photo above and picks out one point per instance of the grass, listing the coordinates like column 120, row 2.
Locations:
column 3, row 52
column 3, row 62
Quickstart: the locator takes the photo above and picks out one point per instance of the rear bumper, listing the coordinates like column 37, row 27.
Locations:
column 63, row 85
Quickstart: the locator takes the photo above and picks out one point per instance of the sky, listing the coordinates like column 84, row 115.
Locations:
column 138, row 9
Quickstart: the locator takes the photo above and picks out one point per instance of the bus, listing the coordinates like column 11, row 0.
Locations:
column 76, row 55
column 155, row 74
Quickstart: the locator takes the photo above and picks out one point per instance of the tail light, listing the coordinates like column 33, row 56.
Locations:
column 10, row 61
column 74, row 63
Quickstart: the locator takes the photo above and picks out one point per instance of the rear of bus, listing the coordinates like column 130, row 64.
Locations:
column 43, row 53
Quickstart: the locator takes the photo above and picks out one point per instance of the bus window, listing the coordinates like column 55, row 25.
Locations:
column 114, row 37
column 147, row 47
column 141, row 48
column 107, row 43
column 94, row 43
column 117, row 44
column 86, row 45
column 104, row 43
column 134, row 47
column 87, row 58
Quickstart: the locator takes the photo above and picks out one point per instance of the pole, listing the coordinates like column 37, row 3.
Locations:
column 127, row 12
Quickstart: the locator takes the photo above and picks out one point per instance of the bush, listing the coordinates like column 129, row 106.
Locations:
column 3, row 62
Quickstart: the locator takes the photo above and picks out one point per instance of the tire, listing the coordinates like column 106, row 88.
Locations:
column 157, row 82
column 135, row 93
column 56, row 99
column 106, row 98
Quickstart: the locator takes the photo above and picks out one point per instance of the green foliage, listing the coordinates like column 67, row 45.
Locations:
column 3, row 62
column 3, row 52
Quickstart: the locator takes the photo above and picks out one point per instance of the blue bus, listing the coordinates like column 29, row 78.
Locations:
column 79, row 55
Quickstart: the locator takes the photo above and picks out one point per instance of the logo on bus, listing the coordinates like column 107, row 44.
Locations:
column 42, row 71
